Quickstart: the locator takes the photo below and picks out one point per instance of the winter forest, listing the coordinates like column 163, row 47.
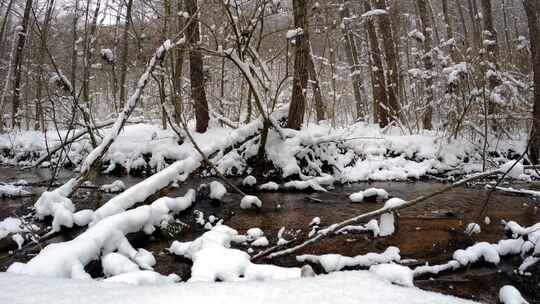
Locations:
column 269, row 151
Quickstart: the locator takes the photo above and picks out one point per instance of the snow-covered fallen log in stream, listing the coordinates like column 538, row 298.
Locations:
column 524, row 242
column 68, row 259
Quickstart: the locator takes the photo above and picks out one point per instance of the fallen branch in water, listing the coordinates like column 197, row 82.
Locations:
column 365, row 216
column 515, row 191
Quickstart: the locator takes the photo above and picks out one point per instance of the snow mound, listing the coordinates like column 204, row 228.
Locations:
column 217, row 190
column 116, row 186
column 394, row 273
column 368, row 193
column 249, row 181
column 270, row 186
column 115, row 264
column 213, row 259
column 250, row 201
column 508, row 294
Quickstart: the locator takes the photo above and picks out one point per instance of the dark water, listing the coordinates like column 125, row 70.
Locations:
column 429, row 232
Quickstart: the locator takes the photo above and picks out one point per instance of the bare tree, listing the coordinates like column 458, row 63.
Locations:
column 125, row 52
column 19, row 58
column 380, row 99
column 532, row 9
column 389, row 46
column 427, row 58
column 196, row 69
column 301, row 58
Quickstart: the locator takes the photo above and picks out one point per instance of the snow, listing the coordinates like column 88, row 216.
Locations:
column 83, row 217
column 67, row 259
column 375, row 12
column 249, row 181
column 7, row 190
column 372, row 226
column 144, row 189
column 357, row 197
column 115, row 264
column 250, row 201
column 488, row 252
column 260, row 242
column 213, row 259
column 341, row 287
column 269, row 186
column 145, row 277
column 395, row 274
column 336, row 262
column 379, row 154
column 254, row 233
column 513, row 172
column 316, row 221
column 217, row 190
column 473, row 228
column 508, row 294
column 56, row 204
column 394, row 203
column 116, row 186
column 291, row 34
column 10, row 225
column 386, row 224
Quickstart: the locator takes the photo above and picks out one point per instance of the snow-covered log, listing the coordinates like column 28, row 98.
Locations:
column 68, row 259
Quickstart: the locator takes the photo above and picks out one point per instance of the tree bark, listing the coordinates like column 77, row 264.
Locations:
column 390, row 52
column 320, row 108
column 351, row 49
column 125, row 52
column 196, row 70
column 532, row 8
column 427, row 58
column 380, row 99
column 301, row 58
column 40, row 121
column 19, row 58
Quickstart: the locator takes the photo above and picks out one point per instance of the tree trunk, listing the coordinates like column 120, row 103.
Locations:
column 473, row 12
column 301, row 58
column 463, row 22
column 380, row 99
column 4, row 26
column 196, row 70
column 389, row 45
column 532, row 9
column 320, row 108
column 427, row 58
column 492, row 49
column 351, row 49
column 19, row 54
column 177, row 59
column 74, row 46
column 40, row 121
column 125, row 51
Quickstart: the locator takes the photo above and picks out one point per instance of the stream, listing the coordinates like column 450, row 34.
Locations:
column 428, row 232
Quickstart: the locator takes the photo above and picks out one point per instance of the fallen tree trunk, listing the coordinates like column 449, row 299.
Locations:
column 365, row 216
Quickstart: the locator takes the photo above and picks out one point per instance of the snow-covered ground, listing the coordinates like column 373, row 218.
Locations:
column 359, row 152
column 341, row 287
